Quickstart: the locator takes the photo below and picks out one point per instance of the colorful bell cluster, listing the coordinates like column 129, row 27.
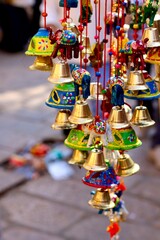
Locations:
column 100, row 141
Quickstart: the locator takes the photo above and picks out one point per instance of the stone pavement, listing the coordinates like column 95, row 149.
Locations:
column 46, row 209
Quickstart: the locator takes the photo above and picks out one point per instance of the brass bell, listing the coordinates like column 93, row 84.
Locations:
column 60, row 73
column 153, row 36
column 78, row 157
column 62, row 122
column 96, row 89
column 81, row 113
column 136, row 81
column 128, row 111
column 156, row 23
column 126, row 166
column 118, row 118
column 141, row 117
column 153, row 55
column 95, row 161
column 157, row 71
column 101, row 200
column 87, row 46
column 42, row 63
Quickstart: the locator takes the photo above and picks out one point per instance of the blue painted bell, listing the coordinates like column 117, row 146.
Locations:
column 104, row 179
column 70, row 3
column 40, row 44
column 62, row 96
column 148, row 94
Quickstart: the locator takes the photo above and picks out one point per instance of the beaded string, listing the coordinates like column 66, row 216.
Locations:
column 44, row 13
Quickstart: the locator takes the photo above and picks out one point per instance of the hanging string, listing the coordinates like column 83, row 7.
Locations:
column 110, row 52
column 87, row 13
column 81, row 30
column 44, row 14
column 135, row 35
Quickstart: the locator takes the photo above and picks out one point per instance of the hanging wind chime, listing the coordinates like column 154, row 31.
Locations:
column 101, row 142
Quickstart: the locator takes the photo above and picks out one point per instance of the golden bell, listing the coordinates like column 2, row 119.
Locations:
column 141, row 117
column 42, row 63
column 96, row 89
column 136, row 81
column 78, row 157
column 62, row 122
column 95, row 161
column 153, row 36
column 101, row 200
column 81, row 113
column 157, row 71
column 153, row 55
column 118, row 118
column 60, row 73
column 126, row 166
column 87, row 46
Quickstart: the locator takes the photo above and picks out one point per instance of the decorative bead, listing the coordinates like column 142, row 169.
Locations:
column 135, row 35
column 81, row 47
column 44, row 14
column 99, row 28
column 85, row 60
column 98, row 74
column 80, row 28
column 96, row 37
column 118, row 65
column 110, row 53
column 118, row 28
column 105, row 40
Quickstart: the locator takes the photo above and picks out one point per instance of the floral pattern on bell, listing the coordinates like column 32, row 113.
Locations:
column 104, row 179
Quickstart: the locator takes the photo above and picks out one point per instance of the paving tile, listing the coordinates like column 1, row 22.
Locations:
column 9, row 180
column 39, row 214
column 90, row 228
column 140, row 210
column 71, row 192
column 20, row 233
column 148, row 189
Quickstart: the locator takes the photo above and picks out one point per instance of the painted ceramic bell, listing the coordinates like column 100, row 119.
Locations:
column 141, row 117
column 153, row 36
column 96, row 89
column 126, row 166
column 81, row 113
column 104, row 179
column 124, row 139
column 69, row 3
column 42, row 63
column 118, row 118
column 95, row 161
column 77, row 139
column 148, row 94
column 62, row 122
column 40, row 44
column 101, row 200
column 62, row 96
column 153, row 55
column 60, row 73
column 136, row 81
column 78, row 157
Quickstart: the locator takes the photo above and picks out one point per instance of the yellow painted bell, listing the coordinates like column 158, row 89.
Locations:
column 42, row 63
column 126, row 166
column 118, row 118
column 95, row 161
column 96, row 89
column 87, row 46
column 101, row 200
column 40, row 44
column 62, row 122
column 141, row 117
column 136, row 81
column 61, row 73
column 78, row 157
column 152, row 34
column 81, row 113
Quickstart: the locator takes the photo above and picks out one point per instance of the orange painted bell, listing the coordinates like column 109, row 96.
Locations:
column 42, row 63
column 136, row 81
column 60, row 73
column 101, row 200
column 141, row 117
column 62, row 122
column 118, row 118
column 81, row 113
column 126, row 166
column 78, row 157
column 95, row 161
